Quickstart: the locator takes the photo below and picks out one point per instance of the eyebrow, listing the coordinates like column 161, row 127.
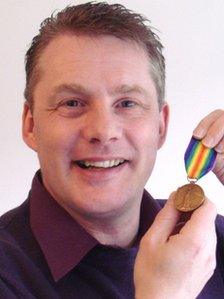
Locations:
column 131, row 89
column 72, row 88
column 79, row 89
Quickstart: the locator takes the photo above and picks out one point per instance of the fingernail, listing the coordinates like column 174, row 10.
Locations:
column 199, row 133
column 208, row 142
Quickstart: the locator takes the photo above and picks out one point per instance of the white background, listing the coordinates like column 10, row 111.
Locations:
column 192, row 32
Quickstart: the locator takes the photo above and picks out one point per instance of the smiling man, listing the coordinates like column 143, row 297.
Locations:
column 96, row 127
column 96, row 116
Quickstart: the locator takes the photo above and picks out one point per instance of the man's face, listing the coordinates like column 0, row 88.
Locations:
column 96, row 125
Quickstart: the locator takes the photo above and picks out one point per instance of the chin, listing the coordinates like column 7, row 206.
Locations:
column 100, row 205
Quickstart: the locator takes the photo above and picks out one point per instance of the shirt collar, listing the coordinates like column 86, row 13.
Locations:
column 62, row 240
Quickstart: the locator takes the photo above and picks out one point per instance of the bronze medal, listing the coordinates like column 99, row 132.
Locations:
column 199, row 160
column 189, row 197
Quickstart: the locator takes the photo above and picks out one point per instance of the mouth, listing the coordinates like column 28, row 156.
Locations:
column 106, row 164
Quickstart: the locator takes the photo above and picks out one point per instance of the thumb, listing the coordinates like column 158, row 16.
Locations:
column 165, row 222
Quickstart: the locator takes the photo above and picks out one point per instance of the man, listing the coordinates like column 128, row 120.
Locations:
column 96, row 116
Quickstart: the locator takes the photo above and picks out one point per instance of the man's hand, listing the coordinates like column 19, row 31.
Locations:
column 178, row 265
column 211, row 131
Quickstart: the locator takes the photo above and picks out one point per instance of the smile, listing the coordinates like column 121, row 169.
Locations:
column 100, row 164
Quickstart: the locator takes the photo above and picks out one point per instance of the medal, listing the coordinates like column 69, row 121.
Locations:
column 199, row 160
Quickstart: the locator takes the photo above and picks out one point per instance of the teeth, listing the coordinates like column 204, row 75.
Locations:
column 103, row 164
column 86, row 163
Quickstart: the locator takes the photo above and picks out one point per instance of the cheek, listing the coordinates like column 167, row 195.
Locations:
column 54, row 139
column 145, row 137
column 145, row 134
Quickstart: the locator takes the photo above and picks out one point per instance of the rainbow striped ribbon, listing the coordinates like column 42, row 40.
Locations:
column 198, row 159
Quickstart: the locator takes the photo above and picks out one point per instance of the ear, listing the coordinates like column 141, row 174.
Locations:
column 163, row 124
column 28, row 127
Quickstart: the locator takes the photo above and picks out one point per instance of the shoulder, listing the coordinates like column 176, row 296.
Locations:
column 14, row 232
column 6, row 218
column 15, row 250
column 14, row 220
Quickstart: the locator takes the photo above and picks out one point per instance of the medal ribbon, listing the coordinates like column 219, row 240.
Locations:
column 198, row 159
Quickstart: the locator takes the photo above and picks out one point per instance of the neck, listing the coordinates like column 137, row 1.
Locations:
column 117, row 230
column 117, row 233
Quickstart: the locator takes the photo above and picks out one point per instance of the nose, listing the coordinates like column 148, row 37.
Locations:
column 102, row 126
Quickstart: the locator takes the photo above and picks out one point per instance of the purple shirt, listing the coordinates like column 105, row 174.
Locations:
column 45, row 253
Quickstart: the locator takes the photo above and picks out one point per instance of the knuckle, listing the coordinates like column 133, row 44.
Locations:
column 146, row 242
column 196, row 246
column 202, row 245
column 149, row 242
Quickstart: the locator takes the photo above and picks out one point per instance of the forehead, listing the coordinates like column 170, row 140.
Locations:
column 101, row 43
column 71, row 48
column 100, row 60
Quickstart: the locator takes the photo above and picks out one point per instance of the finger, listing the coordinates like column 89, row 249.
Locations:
column 164, row 222
column 219, row 167
column 220, row 147
column 215, row 133
column 201, row 130
column 219, row 162
column 201, row 222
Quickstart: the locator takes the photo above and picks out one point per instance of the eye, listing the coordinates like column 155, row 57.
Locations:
column 71, row 107
column 127, row 104
column 72, row 103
